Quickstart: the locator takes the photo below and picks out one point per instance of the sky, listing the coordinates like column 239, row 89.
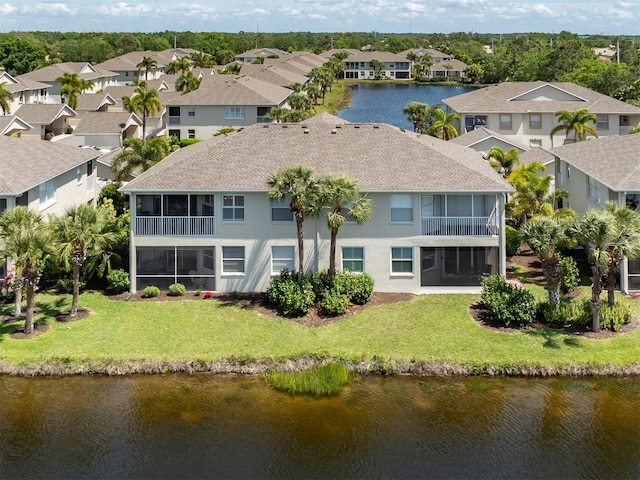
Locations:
column 615, row 17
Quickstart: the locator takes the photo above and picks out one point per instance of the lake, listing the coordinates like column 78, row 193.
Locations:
column 383, row 103
column 218, row 426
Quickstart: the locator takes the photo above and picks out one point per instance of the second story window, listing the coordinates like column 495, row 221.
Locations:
column 401, row 208
column 234, row 113
column 603, row 122
column 505, row 121
column 535, row 121
column 191, row 112
column 233, row 208
column 281, row 211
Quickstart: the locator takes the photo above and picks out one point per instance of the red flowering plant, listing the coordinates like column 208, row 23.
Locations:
column 206, row 295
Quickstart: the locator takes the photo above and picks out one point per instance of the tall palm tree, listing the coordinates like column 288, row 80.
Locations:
column 546, row 236
column 377, row 66
column 71, row 87
column 187, row 82
column 503, row 162
column 418, row 114
column 300, row 101
column 143, row 101
column 340, row 194
column 181, row 65
column 576, row 122
column 441, row 127
column 323, row 77
column 298, row 184
column 6, row 97
column 80, row 233
column 139, row 155
column 202, row 60
column 625, row 242
column 148, row 64
column 25, row 240
column 595, row 230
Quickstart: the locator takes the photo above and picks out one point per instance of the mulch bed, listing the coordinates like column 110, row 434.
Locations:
column 38, row 329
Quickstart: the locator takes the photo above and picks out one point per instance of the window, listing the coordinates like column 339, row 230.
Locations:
column 603, row 122
column 78, row 175
column 505, row 121
column 191, row 133
column 401, row 260
column 353, row 259
column 175, row 133
column 90, row 175
column 401, row 208
column 233, row 208
column 535, row 142
column 280, row 211
column 47, row 194
column 593, row 189
column 234, row 113
column 535, row 121
column 232, row 259
column 281, row 258
column 3, row 205
column 191, row 111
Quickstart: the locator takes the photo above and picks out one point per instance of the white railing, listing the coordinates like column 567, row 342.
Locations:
column 176, row 226
column 174, row 120
column 460, row 226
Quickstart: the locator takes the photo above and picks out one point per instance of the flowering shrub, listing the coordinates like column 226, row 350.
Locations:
column 206, row 295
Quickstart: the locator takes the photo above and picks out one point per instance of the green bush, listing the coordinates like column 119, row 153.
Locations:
column 185, row 142
column 334, row 303
column 177, row 290
column 569, row 311
column 613, row 318
column 291, row 293
column 513, row 241
column 118, row 281
column 150, row 291
column 66, row 284
column 570, row 274
column 110, row 190
column 358, row 287
column 321, row 282
column 198, row 292
column 508, row 303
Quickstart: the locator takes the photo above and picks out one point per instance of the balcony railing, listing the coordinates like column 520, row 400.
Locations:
column 176, row 226
column 174, row 120
column 460, row 226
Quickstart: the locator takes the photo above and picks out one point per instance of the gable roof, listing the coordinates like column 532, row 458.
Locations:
column 375, row 55
column 272, row 74
column 426, row 51
column 129, row 61
column 25, row 164
column 50, row 73
column 480, row 134
column 521, row 97
column 456, row 66
column 289, row 64
column 612, row 160
column 11, row 123
column 395, row 160
column 94, row 101
column 106, row 122
column 537, row 154
column 44, row 113
column 262, row 52
column 20, row 84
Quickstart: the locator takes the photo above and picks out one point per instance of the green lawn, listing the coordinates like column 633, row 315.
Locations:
column 434, row 330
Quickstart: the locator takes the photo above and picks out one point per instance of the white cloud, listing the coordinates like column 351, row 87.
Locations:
column 55, row 8
column 6, row 9
column 125, row 9
column 257, row 12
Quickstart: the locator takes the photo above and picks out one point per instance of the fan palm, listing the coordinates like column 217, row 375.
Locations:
column 187, row 82
column 181, row 65
column 138, row 156
column 576, row 122
column 417, row 113
column 503, row 162
column 147, row 64
column 442, row 127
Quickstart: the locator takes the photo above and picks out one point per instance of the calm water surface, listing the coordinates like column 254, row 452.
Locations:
column 383, row 103
column 213, row 426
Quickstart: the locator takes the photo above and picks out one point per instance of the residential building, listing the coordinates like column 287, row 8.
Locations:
column 127, row 70
column 107, row 129
column 273, row 74
column 596, row 171
column 482, row 139
column 395, row 66
column 48, row 120
column 525, row 111
column 252, row 55
column 202, row 216
column 25, row 91
column 12, row 126
column 448, row 70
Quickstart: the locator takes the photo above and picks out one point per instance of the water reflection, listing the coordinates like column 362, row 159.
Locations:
column 207, row 426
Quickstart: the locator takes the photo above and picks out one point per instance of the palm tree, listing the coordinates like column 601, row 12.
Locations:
column 341, row 195
column 187, row 82
column 80, row 233
column 414, row 58
column 441, row 127
column 377, row 66
column 25, row 240
column 503, row 162
column 148, row 64
column 71, row 87
column 625, row 242
column 143, row 101
column 546, row 236
column 595, row 230
column 278, row 114
column 300, row 101
column 323, row 77
column 202, row 60
column 139, row 155
column 5, row 98
column 313, row 91
column 181, row 65
column 635, row 129
column 86, row 85
column 576, row 122
column 298, row 184
column 418, row 114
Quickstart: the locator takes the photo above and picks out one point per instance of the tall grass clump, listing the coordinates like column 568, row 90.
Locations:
column 322, row 380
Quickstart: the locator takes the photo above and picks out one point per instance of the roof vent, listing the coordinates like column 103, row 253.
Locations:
column 338, row 126
column 306, row 130
column 265, row 126
column 376, row 126
column 285, row 126
column 304, row 126
column 334, row 131
column 402, row 130
column 356, row 126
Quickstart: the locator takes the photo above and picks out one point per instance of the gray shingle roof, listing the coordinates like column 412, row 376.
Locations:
column 481, row 133
column 25, row 164
column 105, row 122
column 537, row 154
column 44, row 113
column 501, row 99
column 93, row 101
column 6, row 122
column 381, row 157
column 272, row 74
column 613, row 160
column 380, row 56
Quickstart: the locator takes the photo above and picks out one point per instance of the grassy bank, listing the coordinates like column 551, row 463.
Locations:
column 432, row 334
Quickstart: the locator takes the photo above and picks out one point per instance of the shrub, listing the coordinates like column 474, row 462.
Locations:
column 207, row 295
column 177, row 290
column 358, row 287
column 66, row 284
column 513, row 241
column 570, row 274
column 613, row 318
column 322, row 380
column 291, row 293
column 118, row 281
column 321, row 282
column 110, row 190
column 509, row 303
column 185, row 142
column 150, row 291
column 572, row 312
column 334, row 303
column 198, row 292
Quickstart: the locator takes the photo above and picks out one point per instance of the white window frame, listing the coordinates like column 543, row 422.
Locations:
column 535, row 125
column 282, row 205
column 191, row 112
column 78, row 175
column 191, row 133
column 398, row 255
column 228, row 257
column 234, row 207
column 507, row 123
column 593, row 189
column 283, row 254
column 47, row 191
column 603, row 122
column 352, row 258
column 399, row 202
column 235, row 113
column 535, row 142
column 90, row 168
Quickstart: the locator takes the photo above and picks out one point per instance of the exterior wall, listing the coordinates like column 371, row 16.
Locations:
column 575, row 183
column 208, row 119
column 364, row 70
column 257, row 234
column 110, row 140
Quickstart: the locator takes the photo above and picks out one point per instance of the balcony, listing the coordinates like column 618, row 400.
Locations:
column 460, row 226
column 175, row 226
column 174, row 120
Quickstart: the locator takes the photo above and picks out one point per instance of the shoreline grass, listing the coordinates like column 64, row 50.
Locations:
column 430, row 335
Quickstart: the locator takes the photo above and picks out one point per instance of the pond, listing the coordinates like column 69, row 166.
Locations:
column 218, row 426
column 383, row 103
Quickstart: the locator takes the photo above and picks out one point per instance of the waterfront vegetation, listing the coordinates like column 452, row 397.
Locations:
column 322, row 380
column 429, row 334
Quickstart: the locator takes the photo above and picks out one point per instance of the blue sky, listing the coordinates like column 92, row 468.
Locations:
column 391, row 16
